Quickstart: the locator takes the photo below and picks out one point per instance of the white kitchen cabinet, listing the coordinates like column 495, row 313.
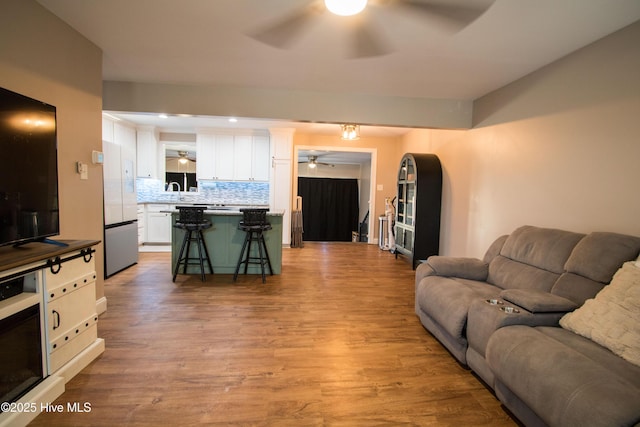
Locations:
column 261, row 158
column 215, row 156
column 147, row 146
column 280, row 197
column 206, row 149
column 158, row 224
column 242, row 156
column 142, row 220
column 251, row 158
column 224, row 157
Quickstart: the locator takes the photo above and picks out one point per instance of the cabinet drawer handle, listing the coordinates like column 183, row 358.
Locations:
column 56, row 319
column 56, row 262
column 87, row 253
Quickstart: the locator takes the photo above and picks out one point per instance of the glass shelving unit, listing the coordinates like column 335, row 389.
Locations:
column 417, row 226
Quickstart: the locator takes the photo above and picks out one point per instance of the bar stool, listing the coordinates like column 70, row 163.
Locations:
column 254, row 224
column 191, row 220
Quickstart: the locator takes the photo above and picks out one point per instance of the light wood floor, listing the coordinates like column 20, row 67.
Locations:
column 333, row 341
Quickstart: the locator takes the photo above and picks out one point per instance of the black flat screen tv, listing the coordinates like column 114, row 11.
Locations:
column 28, row 170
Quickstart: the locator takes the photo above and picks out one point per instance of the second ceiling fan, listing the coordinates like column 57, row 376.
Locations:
column 313, row 163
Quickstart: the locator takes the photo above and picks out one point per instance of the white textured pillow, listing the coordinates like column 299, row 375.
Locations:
column 612, row 318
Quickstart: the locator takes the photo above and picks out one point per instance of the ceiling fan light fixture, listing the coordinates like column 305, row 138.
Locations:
column 345, row 7
column 183, row 159
column 350, row 132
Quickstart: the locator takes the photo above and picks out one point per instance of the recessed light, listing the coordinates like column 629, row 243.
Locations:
column 233, row 120
column 163, row 116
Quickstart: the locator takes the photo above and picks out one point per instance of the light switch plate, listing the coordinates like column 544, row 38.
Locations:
column 83, row 170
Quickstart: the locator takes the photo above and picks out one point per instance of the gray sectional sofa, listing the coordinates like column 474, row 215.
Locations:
column 500, row 317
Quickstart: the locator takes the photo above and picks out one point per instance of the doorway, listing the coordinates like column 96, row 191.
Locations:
column 341, row 163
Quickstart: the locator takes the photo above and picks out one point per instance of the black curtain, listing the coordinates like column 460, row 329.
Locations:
column 329, row 208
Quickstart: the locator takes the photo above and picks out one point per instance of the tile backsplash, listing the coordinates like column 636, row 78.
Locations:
column 224, row 192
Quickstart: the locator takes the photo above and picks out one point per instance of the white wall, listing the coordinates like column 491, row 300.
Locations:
column 559, row 148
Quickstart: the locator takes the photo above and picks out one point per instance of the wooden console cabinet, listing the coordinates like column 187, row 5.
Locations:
column 70, row 306
column 61, row 280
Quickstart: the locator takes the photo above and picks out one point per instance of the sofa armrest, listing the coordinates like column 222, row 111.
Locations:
column 464, row 268
column 538, row 302
column 485, row 318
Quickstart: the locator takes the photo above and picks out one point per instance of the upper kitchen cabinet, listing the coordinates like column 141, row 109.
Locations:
column 206, row 148
column 147, row 141
column 233, row 156
column 251, row 157
column 215, row 156
column 261, row 160
column 223, row 157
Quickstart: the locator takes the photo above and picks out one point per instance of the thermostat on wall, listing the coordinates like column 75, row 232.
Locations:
column 97, row 157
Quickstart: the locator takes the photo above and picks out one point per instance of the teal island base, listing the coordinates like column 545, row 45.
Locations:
column 224, row 242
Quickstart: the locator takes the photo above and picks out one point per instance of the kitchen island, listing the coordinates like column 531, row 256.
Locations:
column 224, row 241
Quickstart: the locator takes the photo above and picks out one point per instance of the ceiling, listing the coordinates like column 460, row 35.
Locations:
column 208, row 42
column 211, row 42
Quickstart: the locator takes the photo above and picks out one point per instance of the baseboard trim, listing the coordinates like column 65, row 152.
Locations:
column 101, row 305
column 42, row 395
column 81, row 361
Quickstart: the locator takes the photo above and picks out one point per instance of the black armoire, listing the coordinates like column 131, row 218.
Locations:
column 417, row 228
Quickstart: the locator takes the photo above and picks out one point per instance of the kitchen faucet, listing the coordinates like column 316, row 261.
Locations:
column 170, row 188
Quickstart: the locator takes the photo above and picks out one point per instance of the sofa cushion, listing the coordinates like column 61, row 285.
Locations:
column 545, row 248
column 494, row 249
column 508, row 274
column 599, row 255
column 532, row 258
column 561, row 384
column 612, row 318
column 576, row 288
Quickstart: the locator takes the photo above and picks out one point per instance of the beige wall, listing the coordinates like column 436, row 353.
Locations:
column 558, row 148
column 43, row 58
column 388, row 154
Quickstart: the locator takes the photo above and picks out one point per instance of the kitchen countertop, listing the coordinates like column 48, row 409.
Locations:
column 229, row 211
column 187, row 203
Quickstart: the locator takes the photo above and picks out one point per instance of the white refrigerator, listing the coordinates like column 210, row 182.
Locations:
column 120, row 200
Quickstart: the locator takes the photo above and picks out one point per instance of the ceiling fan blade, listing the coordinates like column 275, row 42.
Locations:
column 284, row 32
column 365, row 43
column 454, row 16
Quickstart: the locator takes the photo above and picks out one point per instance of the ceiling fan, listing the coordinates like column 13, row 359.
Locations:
column 451, row 15
column 313, row 162
column 183, row 157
